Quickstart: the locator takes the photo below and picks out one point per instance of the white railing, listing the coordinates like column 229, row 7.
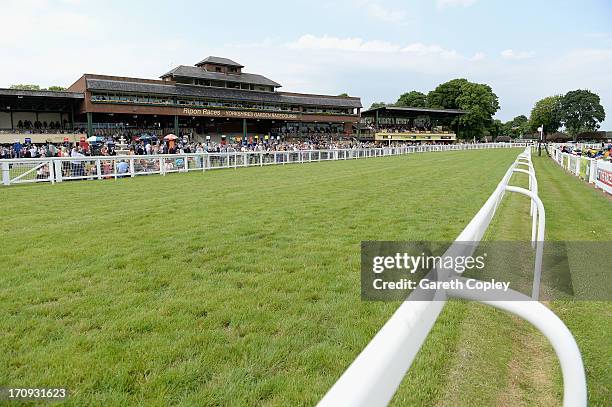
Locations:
column 374, row 376
column 593, row 171
column 54, row 169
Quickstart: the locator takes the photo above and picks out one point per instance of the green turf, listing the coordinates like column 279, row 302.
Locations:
column 230, row 287
column 233, row 287
column 501, row 360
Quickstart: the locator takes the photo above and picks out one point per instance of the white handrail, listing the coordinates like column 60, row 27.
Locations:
column 60, row 169
column 533, row 187
column 535, row 293
column 559, row 336
column 373, row 377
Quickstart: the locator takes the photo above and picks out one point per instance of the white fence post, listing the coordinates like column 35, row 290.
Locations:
column 98, row 169
column 59, row 172
column 6, row 174
column 51, row 167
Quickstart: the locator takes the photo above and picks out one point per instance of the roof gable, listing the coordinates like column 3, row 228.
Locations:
column 199, row 73
column 219, row 61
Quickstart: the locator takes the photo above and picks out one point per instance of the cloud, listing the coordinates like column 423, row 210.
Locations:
column 479, row 56
column 424, row 50
column 44, row 20
column 511, row 54
column 442, row 4
column 379, row 12
column 325, row 42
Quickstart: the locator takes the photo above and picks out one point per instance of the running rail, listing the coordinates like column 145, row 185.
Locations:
column 59, row 169
column 376, row 373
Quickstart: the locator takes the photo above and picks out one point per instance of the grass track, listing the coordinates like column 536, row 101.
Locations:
column 500, row 360
column 232, row 287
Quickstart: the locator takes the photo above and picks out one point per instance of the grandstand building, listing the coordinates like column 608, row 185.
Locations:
column 212, row 100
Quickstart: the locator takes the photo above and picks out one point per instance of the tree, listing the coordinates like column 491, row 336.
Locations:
column 376, row 105
column 445, row 96
column 481, row 103
column 497, row 128
column 546, row 112
column 412, row 99
column 517, row 127
column 30, row 86
column 581, row 110
column 25, row 86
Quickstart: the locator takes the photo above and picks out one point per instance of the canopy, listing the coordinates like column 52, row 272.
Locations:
column 95, row 139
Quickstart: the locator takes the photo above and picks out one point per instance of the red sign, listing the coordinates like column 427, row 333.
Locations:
column 604, row 176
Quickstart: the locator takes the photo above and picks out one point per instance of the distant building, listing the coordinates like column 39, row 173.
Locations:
column 211, row 99
column 419, row 125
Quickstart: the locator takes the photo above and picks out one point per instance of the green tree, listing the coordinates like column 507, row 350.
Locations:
column 517, row 127
column 497, row 128
column 56, row 88
column 581, row 110
column 376, row 105
column 481, row 103
column 412, row 99
column 25, row 86
column 546, row 112
column 445, row 96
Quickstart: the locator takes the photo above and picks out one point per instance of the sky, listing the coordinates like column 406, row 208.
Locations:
column 377, row 50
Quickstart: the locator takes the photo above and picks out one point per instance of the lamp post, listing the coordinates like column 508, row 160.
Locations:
column 541, row 131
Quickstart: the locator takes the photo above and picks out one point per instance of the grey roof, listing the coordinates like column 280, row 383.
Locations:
column 415, row 109
column 221, row 93
column 219, row 61
column 41, row 93
column 199, row 73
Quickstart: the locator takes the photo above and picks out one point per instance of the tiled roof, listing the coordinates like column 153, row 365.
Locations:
column 185, row 71
column 219, row 61
column 221, row 93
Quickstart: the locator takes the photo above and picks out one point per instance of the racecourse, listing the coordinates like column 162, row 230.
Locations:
column 242, row 286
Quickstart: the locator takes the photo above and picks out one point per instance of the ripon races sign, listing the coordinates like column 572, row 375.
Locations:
column 241, row 114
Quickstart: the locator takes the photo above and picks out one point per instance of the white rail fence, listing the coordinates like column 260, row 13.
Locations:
column 54, row 169
column 374, row 376
column 593, row 171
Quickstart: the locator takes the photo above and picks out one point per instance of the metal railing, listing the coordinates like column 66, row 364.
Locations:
column 374, row 376
column 55, row 169
column 592, row 170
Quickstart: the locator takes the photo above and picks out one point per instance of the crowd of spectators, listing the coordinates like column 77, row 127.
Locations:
column 151, row 142
column 152, row 146
column 38, row 127
column 604, row 152
column 406, row 128
column 77, row 166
